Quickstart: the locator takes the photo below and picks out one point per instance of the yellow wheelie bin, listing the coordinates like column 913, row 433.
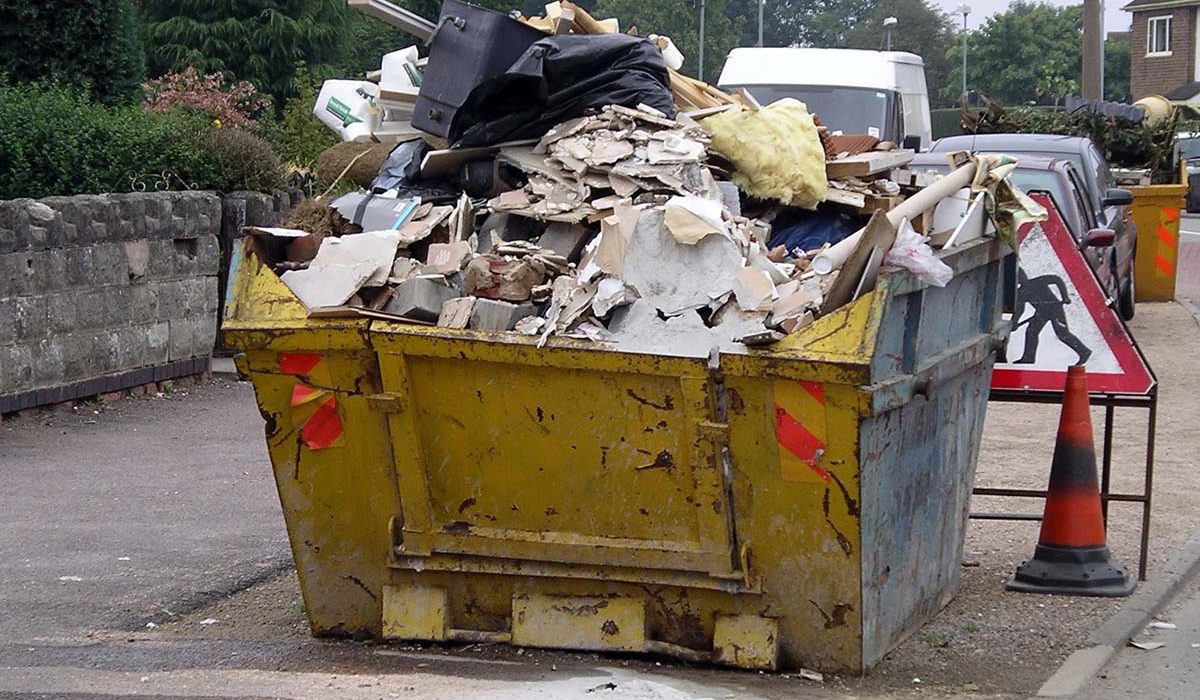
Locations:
column 799, row 505
column 1156, row 213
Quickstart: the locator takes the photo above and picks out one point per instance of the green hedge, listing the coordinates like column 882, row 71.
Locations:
column 96, row 44
column 56, row 141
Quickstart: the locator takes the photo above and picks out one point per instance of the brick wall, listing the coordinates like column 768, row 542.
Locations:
column 100, row 293
column 1161, row 74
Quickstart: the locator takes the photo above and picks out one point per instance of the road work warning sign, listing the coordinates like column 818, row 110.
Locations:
column 1062, row 318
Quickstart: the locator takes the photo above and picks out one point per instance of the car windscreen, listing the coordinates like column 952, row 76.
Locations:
column 850, row 110
column 1049, row 182
column 1189, row 148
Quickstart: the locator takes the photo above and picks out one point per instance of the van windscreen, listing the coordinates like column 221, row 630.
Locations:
column 850, row 110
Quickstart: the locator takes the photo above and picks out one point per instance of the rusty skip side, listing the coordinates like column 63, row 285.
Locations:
column 796, row 506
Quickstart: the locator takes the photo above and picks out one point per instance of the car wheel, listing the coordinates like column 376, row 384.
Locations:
column 1125, row 300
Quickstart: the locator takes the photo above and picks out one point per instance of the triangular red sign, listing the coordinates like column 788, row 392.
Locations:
column 1063, row 318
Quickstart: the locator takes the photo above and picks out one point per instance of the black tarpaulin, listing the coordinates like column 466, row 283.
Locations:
column 559, row 78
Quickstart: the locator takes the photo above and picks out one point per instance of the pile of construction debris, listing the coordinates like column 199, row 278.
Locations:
column 623, row 224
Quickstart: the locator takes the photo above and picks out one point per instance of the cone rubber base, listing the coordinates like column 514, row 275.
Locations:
column 1088, row 571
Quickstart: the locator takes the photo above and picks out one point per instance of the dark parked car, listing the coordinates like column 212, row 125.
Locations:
column 1058, row 178
column 1105, row 203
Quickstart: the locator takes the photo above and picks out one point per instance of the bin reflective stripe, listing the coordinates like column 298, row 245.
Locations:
column 800, row 429
column 1164, row 257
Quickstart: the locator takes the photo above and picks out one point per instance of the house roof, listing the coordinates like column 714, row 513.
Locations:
column 1141, row 5
column 1184, row 92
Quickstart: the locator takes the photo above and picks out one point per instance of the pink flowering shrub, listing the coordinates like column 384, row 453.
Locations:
column 236, row 105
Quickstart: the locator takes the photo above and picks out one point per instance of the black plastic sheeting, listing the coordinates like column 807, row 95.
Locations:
column 402, row 172
column 560, row 78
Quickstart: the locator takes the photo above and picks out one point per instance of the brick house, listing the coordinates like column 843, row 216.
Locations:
column 1162, row 42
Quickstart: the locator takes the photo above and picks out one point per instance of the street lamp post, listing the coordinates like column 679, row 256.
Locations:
column 760, row 21
column 888, row 23
column 701, row 76
column 964, row 9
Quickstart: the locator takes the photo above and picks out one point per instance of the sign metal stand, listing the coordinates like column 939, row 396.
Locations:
column 1071, row 314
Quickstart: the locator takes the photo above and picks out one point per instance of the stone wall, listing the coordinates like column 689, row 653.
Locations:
column 101, row 293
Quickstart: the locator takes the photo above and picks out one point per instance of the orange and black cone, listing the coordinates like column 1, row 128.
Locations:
column 1072, row 556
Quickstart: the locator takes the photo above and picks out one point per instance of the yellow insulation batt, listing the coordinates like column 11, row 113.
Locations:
column 776, row 151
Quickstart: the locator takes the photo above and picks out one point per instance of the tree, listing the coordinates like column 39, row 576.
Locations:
column 920, row 28
column 261, row 41
column 366, row 38
column 93, row 44
column 819, row 23
column 1020, row 56
column 1116, row 71
column 679, row 20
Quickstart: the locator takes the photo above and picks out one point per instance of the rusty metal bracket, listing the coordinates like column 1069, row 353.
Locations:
column 386, row 402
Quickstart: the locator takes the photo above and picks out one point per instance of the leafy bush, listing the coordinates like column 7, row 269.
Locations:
column 239, row 160
column 1125, row 144
column 299, row 137
column 256, row 40
column 56, row 141
column 237, row 105
column 95, row 44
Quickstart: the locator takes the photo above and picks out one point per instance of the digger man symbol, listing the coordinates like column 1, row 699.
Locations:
column 1048, row 296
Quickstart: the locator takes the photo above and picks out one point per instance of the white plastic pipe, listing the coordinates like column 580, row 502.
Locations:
column 835, row 256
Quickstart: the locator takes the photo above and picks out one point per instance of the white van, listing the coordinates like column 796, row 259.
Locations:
column 881, row 93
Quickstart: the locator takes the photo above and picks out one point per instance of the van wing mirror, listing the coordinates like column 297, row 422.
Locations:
column 1117, row 197
column 912, row 142
column 1099, row 238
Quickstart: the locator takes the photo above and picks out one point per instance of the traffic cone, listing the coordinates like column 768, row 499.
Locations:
column 1072, row 556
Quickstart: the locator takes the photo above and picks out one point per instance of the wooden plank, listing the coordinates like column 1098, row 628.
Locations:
column 884, row 203
column 847, row 198
column 866, row 164
column 879, row 234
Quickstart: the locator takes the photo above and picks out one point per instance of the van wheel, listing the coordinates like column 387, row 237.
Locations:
column 1125, row 298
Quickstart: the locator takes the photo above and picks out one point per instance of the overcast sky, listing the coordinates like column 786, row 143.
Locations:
column 1114, row 19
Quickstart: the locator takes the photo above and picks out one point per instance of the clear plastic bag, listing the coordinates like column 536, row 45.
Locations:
column 912, row 252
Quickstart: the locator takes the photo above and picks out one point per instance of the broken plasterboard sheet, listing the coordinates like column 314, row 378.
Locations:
column 616, row 232
column 418, row 230
column 691, row 218
column 328, row 284
column 674, row 149
column 610, row 293
column 643, row 330
column 375, row 247
column 754, row 290
column 678, row 276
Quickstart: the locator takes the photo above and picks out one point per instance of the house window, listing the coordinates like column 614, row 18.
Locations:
column 1158, row 36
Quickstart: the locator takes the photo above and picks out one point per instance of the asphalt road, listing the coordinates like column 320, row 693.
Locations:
column 121, row 514
column 1169, row 672
column 1187, row 284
